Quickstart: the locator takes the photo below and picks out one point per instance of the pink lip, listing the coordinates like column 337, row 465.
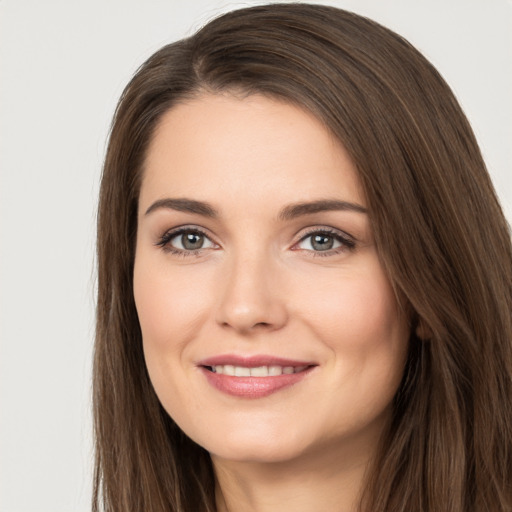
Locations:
column 253, row 387
column 252, row 361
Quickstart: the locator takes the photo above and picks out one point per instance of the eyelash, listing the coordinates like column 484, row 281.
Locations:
column 166, row 238
column 347, row 242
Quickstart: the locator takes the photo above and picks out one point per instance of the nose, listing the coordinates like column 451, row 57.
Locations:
column 251, row 298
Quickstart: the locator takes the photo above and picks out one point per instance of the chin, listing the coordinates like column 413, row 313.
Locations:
column 258, row 453
column 257, row 446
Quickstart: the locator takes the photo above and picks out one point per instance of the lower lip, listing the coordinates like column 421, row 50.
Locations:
column 253, row 387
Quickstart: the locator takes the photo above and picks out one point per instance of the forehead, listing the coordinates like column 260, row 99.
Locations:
column 252, row 148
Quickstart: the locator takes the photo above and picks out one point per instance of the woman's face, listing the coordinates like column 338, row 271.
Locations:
column 270, row 329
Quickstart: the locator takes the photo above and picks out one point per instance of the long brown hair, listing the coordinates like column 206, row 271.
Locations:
column 439, row 230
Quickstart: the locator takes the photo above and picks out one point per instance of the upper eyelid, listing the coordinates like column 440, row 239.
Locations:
column 308, row 230
column 184, row 228
column 324, row 229
column 169, row 234
column 299, row 236
column 346, row 240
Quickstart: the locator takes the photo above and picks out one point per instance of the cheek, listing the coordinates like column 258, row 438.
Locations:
column 170, row 306
column 170, row 309
column 358, row 320
column 355, row 307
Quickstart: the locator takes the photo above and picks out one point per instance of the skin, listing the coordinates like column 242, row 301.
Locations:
column 259, row 285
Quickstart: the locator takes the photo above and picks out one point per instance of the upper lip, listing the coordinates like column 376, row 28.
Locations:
column 252, row 361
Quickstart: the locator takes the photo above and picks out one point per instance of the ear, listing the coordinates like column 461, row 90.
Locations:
column 423, row 331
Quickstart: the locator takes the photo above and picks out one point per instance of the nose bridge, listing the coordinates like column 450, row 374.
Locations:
column 251, row 297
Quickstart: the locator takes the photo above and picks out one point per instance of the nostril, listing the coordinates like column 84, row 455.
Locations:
column 250, row 325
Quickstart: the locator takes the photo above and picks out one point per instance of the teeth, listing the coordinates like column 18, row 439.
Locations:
column 275, row 370
column 259, row 371
column 240, row 371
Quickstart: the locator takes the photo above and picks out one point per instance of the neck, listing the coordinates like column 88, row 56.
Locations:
column 327, row 480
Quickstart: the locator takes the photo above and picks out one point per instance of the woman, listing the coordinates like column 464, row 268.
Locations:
column 305, row 279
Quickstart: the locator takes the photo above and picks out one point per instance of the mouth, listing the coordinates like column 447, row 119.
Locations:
column 258, row 371
column 255, row 376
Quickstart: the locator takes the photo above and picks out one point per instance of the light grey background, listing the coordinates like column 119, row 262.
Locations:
column 63, row 64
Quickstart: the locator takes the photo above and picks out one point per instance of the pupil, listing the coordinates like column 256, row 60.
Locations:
column 322, row 242
column 192, row 241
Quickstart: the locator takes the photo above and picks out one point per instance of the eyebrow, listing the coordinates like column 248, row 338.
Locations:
column 289, row 212
column 293, row 211
column 184, row 205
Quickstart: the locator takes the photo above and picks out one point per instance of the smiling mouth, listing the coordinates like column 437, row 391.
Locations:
column 258, row 371
column 254, row 376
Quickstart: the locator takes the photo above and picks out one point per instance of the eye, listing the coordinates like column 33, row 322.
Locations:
column 190, row 241
column 319, row 242
column 185, row 240
column 327, row 241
